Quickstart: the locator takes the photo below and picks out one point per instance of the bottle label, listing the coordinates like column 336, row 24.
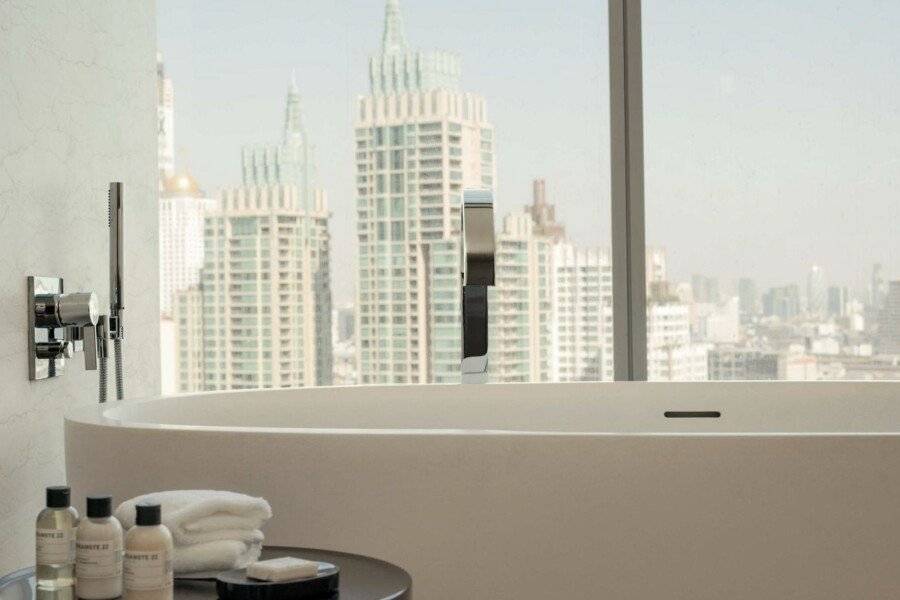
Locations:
column 147, row 570
column 98, row 559
column 55, row 546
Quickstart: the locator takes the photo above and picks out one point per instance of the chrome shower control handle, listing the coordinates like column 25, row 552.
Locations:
column 59, row 324
column 53, row 350
column 66, row 310
column 81, row 308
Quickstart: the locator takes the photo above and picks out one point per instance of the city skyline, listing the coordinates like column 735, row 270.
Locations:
column 422, row 134
column 220, row 96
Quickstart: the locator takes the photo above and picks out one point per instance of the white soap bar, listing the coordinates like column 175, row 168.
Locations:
column 283, row 569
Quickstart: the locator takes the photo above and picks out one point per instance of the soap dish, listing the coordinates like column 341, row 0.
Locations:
column 235, row 585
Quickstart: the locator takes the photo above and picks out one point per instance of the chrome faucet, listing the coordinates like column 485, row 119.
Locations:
column 477, row 271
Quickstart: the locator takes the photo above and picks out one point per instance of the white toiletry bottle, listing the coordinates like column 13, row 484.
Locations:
column 55, row 542
column 98, row 552
column 148, row 556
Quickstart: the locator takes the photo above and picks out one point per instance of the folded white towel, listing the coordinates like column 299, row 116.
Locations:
column 202, row 516
column 215, row 556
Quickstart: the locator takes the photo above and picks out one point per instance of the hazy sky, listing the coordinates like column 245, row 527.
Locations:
column 772, row 129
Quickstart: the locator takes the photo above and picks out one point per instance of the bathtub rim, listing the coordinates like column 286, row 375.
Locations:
column 97, row 414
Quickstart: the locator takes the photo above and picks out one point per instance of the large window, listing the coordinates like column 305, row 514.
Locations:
column 313, row 157
column 772, row 131
column 312, row 160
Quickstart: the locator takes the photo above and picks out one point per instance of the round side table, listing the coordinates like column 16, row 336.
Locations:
column 362, row 578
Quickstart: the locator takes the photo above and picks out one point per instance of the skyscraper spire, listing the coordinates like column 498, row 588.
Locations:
column 393, row 39
column 293, row 115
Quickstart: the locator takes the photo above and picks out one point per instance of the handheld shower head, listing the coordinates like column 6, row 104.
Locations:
column 116, row 259
column 116, row 295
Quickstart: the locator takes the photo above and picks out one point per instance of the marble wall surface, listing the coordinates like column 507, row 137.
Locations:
column 77, row 110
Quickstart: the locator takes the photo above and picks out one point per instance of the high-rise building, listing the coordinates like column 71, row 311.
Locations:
column 165, row 158
column 187, row 322
column 816, row 298
column 656, row 266
column 782, row 302
column 705, row 289
column 291, row 161
column 520, row 303
column 671, row 355
column 748, row 298
column 889, row 323
column 543, row 214
column 343, row 338
column 716, row 323
column 582, row 314
column 265, row 293
column 877, row 289
column 165, row 117
column 838, row 300
column 182, row 206
column 343, row 323
column 420, row 141
column 265, row 279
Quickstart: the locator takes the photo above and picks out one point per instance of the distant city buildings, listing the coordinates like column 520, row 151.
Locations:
column 782, row 302
column 706, row 289
column 671, row 354
column 816, row 298
column 182, row 206
column 543, row 214
column 169, row 254
column 748, row 299
column 343, row 337
column 889, row 332
column 165, row 119
column 343, row 323
column 742, row 364
column 657, row 265
column 716, row 322
column 877, row 287
column 838, row 301
column 245, row 279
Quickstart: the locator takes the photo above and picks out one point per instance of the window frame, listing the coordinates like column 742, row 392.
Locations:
column 626, row 141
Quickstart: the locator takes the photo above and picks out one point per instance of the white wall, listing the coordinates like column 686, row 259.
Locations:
column 77, row 109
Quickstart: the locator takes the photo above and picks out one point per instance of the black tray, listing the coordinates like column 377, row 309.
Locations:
column 235, row 585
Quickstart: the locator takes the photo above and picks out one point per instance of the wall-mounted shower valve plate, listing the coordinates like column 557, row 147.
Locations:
column 48, row 348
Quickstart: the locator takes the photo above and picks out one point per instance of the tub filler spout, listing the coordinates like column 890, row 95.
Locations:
column 477, row 271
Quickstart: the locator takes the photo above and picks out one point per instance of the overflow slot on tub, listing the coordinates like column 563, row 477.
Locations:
column 692, row 414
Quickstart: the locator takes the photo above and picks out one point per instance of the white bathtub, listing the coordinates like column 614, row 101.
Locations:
column 544, row 491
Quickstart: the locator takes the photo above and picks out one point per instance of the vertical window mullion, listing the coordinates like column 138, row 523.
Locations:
column 627, row 191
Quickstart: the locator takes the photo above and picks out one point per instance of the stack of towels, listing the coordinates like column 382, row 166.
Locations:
column 212, row 530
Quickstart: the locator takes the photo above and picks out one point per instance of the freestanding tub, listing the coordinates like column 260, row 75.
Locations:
column 544, row 491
